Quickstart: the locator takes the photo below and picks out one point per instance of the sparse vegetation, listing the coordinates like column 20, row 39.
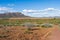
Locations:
column 34, row 29
column 46, row 25
column 18, row 22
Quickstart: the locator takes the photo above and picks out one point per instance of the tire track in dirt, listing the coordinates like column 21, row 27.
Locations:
column 47, row 34
column 55, row 34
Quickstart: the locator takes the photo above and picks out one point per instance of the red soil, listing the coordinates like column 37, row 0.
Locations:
column 19, row 33
column 55, row 34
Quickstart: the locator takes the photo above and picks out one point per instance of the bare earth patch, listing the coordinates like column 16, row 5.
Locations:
column 55, row 34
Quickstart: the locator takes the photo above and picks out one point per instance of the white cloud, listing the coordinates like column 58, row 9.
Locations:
column 37, row 11
column 40, row 13
column 6, row 9
column 50, row 9
column 11, row 4
column 29, row 10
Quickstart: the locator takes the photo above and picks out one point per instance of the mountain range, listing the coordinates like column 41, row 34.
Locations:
column 20, row 15
column 12, row 15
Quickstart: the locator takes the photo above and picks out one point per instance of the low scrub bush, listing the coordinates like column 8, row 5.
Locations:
column 46, row 25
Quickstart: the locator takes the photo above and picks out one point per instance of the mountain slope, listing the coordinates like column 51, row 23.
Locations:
column 12, row 14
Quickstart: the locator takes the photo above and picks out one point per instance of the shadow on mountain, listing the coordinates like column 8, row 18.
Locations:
column 12, row 15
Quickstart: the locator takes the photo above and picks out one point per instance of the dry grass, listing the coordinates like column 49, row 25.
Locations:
column 21, row 33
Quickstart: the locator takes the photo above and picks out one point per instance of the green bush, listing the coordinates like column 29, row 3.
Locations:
column 46, row 25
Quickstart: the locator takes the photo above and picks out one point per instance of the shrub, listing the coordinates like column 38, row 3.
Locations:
column 4, row 36
column 46, row 25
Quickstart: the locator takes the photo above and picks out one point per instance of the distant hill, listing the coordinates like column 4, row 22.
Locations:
column 12, row 15
column 20, row 15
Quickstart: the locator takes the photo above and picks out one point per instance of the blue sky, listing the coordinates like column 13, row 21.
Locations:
column 26, row 6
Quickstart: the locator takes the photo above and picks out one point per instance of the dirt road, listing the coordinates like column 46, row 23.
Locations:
column 55, row 34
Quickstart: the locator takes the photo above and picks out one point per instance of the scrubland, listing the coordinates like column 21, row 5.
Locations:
column 11, row 29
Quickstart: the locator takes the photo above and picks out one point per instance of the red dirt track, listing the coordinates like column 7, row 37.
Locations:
column 55, row 34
